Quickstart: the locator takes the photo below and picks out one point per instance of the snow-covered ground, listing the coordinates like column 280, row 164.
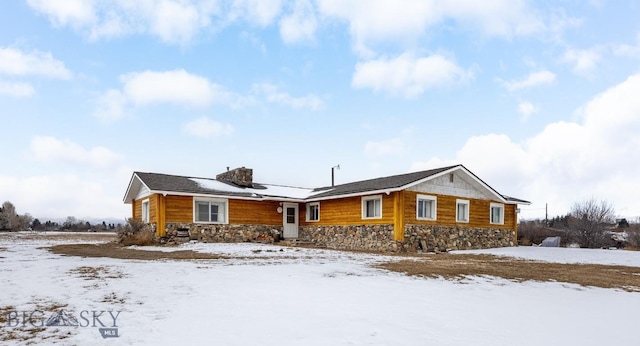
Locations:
column 565, row 255
column 311, row 297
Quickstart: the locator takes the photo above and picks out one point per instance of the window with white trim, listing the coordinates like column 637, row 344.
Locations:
column 462, row 210
column 426, row 207
column 210, row 210
column 313, row 211
column 497, row 214
column 372, row 207
column 145, row 210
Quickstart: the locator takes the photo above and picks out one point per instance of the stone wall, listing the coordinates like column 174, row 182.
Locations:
column 444, row 238
column 350, row 237
column 208, row 233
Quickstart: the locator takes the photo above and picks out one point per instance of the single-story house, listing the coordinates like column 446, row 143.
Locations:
column 438, row 209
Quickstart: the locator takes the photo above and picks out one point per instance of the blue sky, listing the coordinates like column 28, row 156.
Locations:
column 540, row 99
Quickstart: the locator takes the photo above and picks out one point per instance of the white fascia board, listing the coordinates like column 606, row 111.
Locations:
column 127, row 198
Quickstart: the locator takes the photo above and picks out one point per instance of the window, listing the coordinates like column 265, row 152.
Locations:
column 210, row 210
column 313, row 211
column 372, row 207
column 462, row 210
column 497, row 213
column 426, row 207
column 145, row 210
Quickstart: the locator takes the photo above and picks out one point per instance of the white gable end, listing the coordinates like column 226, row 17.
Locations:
column 143, row 192
column 460, row 187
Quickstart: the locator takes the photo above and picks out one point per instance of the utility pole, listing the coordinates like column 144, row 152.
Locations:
column 546, row 213
column 332, row 174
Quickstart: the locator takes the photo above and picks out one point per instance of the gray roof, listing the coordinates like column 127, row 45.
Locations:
column 384, row 183
column 176, row 183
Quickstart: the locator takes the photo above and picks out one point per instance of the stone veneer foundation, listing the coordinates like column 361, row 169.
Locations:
column 350, row 237
column 444, row 238
column 380, row 238
column 207, row 233
column 361, row 237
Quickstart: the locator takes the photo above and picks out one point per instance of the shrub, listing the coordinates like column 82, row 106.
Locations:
column 136, row 232
column 534, row 232
column 589, row 223
column 633, row 238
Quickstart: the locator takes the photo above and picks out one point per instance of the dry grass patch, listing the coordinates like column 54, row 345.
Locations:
column 113, row 298
column 113, row 250
column 461, row 266
column 4, row 312
column 96, row 273
column 26, row 333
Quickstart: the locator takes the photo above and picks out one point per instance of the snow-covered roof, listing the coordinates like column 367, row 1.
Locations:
column 263, row 189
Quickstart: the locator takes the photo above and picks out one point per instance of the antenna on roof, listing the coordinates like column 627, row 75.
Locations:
column 332, row 174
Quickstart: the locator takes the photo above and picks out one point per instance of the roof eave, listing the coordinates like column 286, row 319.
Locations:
column 127, row 196
column 222, row 195
column 354, row 194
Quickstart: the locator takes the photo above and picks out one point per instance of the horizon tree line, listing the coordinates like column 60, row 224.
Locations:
column 11, row 221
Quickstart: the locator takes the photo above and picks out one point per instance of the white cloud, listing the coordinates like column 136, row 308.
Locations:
column 584, row 61
column 628, row 50
column 80, row 181
column 18, row 63
column 273, row 95
column 526, row 109
column 62, row 195
column 68, row 12
column 181, row 88
column 16, row 89
column 300, row 25
column 111, row 105
column 374, row 21
column 173, row 21
column 258, row 12
column 380, row 20
column 504, row 18
column 52, row 150
column 408, row 75
column 177, row 21
column 533, row 79
column 205, row 127
column 567, row 161
column 383, row 148
column 177, row 86
column 153, row 87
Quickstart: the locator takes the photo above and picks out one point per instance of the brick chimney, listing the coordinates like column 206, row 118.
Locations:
column 239, row 176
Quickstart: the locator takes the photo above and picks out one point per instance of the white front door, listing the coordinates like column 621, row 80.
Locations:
column 290, row 220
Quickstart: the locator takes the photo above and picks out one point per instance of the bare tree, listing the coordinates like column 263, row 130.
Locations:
column 10, row 220
column 8, row 216
column 589, row 222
